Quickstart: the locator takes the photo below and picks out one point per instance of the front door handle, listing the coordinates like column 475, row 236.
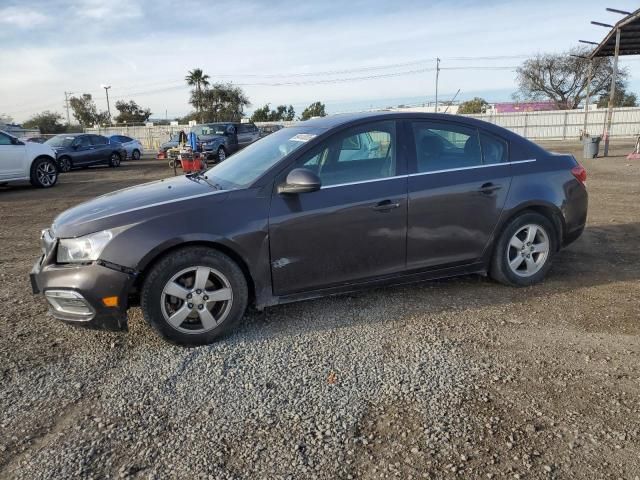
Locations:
column 489, row 188
column 385, row 206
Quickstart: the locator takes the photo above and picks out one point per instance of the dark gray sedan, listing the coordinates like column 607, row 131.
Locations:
column 328, row 206
column 84, row 150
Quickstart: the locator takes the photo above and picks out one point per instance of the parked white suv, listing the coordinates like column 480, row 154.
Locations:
column 27, row 161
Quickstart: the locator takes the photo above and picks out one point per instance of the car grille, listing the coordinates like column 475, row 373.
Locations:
column 47, row 241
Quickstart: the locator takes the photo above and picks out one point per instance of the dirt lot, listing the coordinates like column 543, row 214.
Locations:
column 459, row 378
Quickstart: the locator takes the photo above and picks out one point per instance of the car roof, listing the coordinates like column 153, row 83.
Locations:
column 344, row 119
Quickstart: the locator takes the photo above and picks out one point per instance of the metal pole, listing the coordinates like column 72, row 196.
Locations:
column 106, row 89
column 612, row 93
column 66, row 105
column 587, row 98
column 437, row 75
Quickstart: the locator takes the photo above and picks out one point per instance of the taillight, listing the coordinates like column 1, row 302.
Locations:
column 580, row 173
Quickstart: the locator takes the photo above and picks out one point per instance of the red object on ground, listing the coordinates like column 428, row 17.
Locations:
column 161, row 155
column 195, row 165
column 633, row 156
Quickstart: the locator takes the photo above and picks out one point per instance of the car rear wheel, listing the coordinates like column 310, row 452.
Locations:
column 65, row 164
column 194, row 295
column 44, row 173
column 524, row 251
column 135, row 155
column 114, row 160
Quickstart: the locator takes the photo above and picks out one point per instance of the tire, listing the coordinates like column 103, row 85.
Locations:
column 524, row 251
column 183, row 318
column 221, row 155
column 114, row 160
column 44, row 172
column 65, row 164
column 135, row 155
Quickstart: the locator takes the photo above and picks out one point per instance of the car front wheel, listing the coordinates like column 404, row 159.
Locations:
column 44, row 173
column 524, row 250
column 194, row 295
column 222, row 155
column 135, row 155
column 114, row 160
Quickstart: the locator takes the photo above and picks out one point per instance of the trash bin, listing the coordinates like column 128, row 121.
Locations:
column 591, row 146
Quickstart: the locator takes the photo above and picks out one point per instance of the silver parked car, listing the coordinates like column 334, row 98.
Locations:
column 133, row 147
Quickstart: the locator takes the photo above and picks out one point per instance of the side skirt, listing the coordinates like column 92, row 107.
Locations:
column 479, row 267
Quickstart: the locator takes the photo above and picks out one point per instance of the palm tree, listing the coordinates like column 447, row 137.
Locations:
column 197, row 78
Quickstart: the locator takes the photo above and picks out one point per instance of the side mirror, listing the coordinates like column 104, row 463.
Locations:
column 15, row 141
column 75, row 146
column 300, row 180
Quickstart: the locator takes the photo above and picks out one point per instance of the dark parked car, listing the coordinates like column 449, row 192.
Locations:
column 328, row 206
column 269, row 129
column 218, row 140
column 84, row 149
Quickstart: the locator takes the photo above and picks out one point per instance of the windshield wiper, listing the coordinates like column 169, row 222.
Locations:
column 196, row 176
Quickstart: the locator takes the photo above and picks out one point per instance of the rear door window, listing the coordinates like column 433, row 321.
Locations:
column 443, row 146
column 99, row 140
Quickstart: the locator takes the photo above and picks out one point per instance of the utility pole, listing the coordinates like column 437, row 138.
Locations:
column 66, row 105
column 437, row 75
column 587, row 98
column 106, row 90
column 612, row 94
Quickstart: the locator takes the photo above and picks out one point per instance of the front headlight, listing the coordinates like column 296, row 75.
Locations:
column 83, row 249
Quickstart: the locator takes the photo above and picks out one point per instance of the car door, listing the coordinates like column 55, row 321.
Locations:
column 101, row 149
column 244, row 135
column 13, row 162
column 83, row 150
column 458, row 183
column 353, row 228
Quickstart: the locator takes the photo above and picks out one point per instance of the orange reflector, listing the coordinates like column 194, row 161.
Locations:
column 110, row 301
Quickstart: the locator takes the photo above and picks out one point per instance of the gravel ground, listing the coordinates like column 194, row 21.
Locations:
column 458, row 378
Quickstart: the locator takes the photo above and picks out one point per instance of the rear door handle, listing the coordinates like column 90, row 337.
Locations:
column 385, row 206
column 489, row 188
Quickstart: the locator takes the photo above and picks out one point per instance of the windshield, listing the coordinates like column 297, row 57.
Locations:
column 244, row 167
column 210, row 129
column 60, row 141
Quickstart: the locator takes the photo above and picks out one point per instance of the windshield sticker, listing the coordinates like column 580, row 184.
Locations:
column 303, row 137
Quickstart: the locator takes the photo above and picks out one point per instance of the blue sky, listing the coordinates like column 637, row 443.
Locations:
column 143, row 48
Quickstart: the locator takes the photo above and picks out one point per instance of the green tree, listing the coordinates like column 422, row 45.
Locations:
column 198, row 79
column 563, row 78
column 282, row 113
column 223, row 102
column 261, row 114
column 85, row 111
column 316, row 109
column 131, row 112
column 620, row 99
column 46, row 122
column 475, row 105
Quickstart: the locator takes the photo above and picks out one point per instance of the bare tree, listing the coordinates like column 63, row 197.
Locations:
column 563, row 78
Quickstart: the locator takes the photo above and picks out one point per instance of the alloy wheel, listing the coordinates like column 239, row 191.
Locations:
column 46, row 174
column 65, row 165
column 196, row 299
column 115, row 159
column 528, row 250
column 222, row 155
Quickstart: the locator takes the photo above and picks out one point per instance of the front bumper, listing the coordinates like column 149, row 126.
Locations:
column 92, row 283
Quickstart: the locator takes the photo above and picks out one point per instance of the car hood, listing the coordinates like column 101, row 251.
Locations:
column 133, row 205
